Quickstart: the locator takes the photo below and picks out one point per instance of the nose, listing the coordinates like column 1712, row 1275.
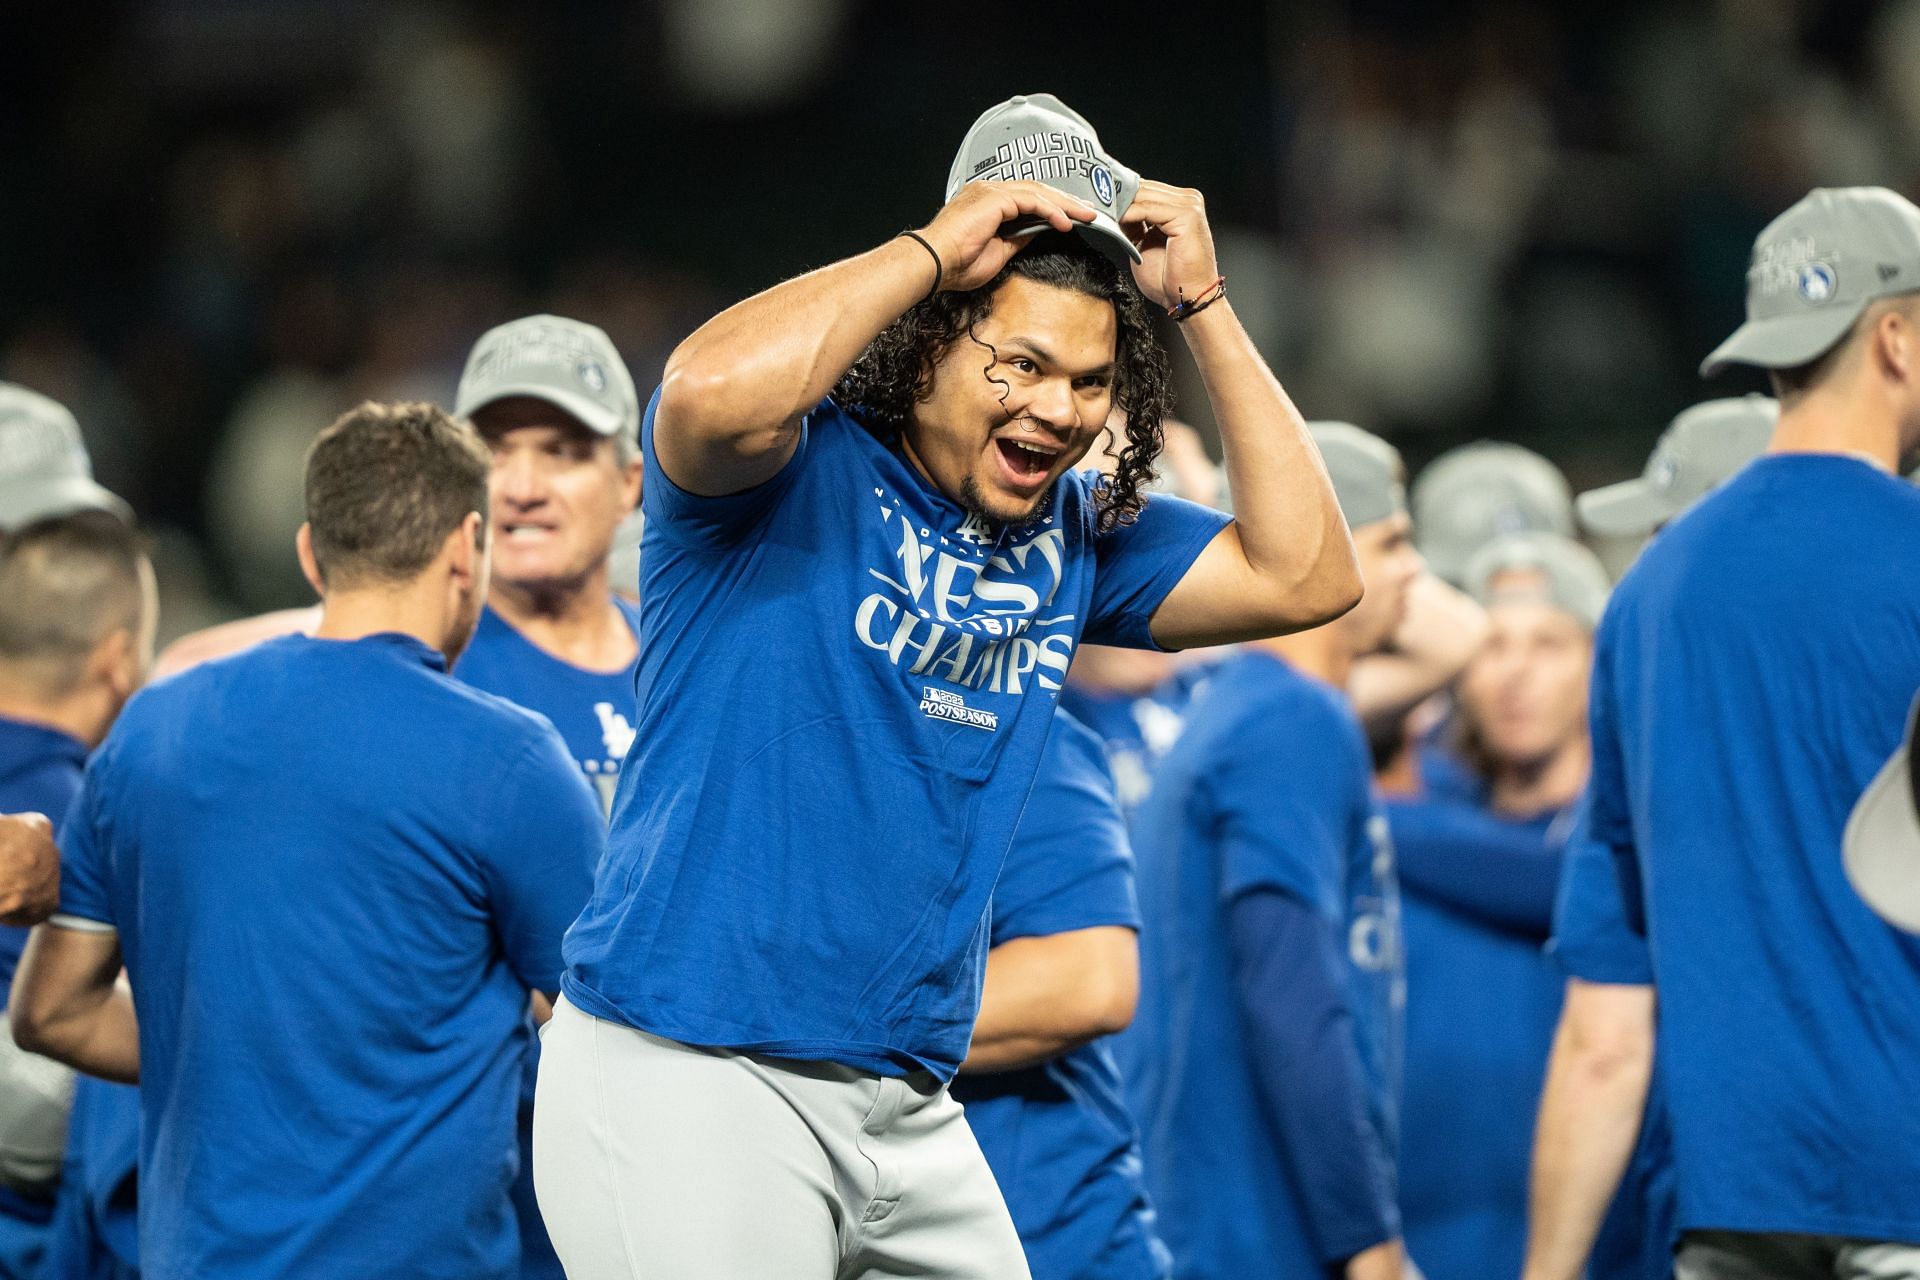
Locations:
column 517, row 478
column 1052, row 403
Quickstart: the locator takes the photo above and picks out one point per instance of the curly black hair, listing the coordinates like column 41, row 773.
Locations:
column 895, row 372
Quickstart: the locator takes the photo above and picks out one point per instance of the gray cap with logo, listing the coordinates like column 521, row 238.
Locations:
column 567, row 363
column 1036, row 137
column 44, row 468
column 1881, row 847
column 1701, row 449
column 1368, row 476
column 1547, row 567
column 1468, row 496
column 1814, row 270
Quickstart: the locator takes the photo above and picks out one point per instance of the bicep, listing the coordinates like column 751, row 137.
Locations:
column 705, row 455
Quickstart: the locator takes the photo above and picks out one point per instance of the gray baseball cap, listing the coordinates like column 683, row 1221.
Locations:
column 1815, row 268
column 1368, row 476
column 567, row 363
column 44, row 468
column 1701, row 449
column 1036, row 137
column 1552, row 568
column 1881, row 847
column 1468, row 496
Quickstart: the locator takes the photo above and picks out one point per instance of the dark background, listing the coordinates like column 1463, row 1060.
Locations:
column 222, row 222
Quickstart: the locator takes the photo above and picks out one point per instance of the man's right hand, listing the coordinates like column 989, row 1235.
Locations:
column 29, row 869
column 983, row 226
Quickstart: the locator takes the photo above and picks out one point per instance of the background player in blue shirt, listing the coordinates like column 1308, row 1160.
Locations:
column 330, row 946
column 1600, row 1045
column 1750, row 676
column 1478, row 877
column 866, row 566
column 77, row 614
column 1263, row 1061
column 1042, row 1094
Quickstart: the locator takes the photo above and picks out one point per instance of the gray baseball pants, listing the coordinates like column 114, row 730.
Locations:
column 655, row 1160
column 1743, row 1255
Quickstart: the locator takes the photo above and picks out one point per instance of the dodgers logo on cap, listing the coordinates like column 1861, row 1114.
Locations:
column 592, row 376
column 1816, row 282
column 1103, row 183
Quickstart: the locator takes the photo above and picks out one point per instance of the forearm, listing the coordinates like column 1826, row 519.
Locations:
column 1047, row 996
column 99, row 1036
column 1590, row 1114
column 1287, row 519
column 761, row 364
column 1444, row 627
column 1499, row 873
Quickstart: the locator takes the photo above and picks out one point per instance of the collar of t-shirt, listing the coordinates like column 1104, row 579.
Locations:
column 403, row 647
column 25, row 744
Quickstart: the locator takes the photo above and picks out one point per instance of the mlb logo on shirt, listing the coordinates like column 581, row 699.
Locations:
column 942, row 704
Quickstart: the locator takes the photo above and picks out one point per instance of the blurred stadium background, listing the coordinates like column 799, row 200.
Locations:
column 223, row 221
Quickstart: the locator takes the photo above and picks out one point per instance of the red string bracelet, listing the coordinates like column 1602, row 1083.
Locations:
column 1207, row 297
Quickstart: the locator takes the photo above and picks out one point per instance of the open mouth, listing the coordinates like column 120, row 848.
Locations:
column 518, row 532
column 1026, row 464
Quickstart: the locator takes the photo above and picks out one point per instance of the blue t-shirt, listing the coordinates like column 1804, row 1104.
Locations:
column 845, row 681
column 1752, row 673
column 1269, row 789
column 1593, row 942
column 40, row 771
column 1058, row 1136
column 1482, row 1002
column 593, row 710
column 1138, row 730
column 335, row 873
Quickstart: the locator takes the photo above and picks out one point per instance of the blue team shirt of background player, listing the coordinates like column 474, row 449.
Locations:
column 335, row 873
column 1268, row 790
column 845, row 681
column 40, row 771
column 1593, row 941
column 1058, row 1135
column 593, row 711
column 1482, row 1001
column 1752, row 673
column 1138, row 729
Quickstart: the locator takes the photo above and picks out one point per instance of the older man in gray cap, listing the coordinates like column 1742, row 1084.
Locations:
column 1750, row 678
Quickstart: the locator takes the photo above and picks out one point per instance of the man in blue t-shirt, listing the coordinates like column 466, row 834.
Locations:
column 1042, row 1094
column 1600, row 1049
column 867, row 563
column 77, row 614
column 1263, row 1063
column 1751, row 675
column 330, row 949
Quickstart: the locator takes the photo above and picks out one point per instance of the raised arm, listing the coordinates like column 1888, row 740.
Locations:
column 1046, row 996
column 68, row 1003
column 1444, row 628
column 736, row 390
column 1286, row 562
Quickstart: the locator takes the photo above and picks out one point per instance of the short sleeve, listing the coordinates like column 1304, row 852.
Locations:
column 1592, row 940
column 1139, row 563
column 542, row 847
column 84, row 852
column 1285, row 806
column 1608, row 819
column 1070, row 866
column 702, row 523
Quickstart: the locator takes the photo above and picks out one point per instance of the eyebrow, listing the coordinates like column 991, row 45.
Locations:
column 1044, row 356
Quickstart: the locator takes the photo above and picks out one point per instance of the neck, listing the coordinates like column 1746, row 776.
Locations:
column 578, row 623
column 84, row 715
column 1552, row 782
column 1838, row 420
column 1319, row 653
column 414, row 609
